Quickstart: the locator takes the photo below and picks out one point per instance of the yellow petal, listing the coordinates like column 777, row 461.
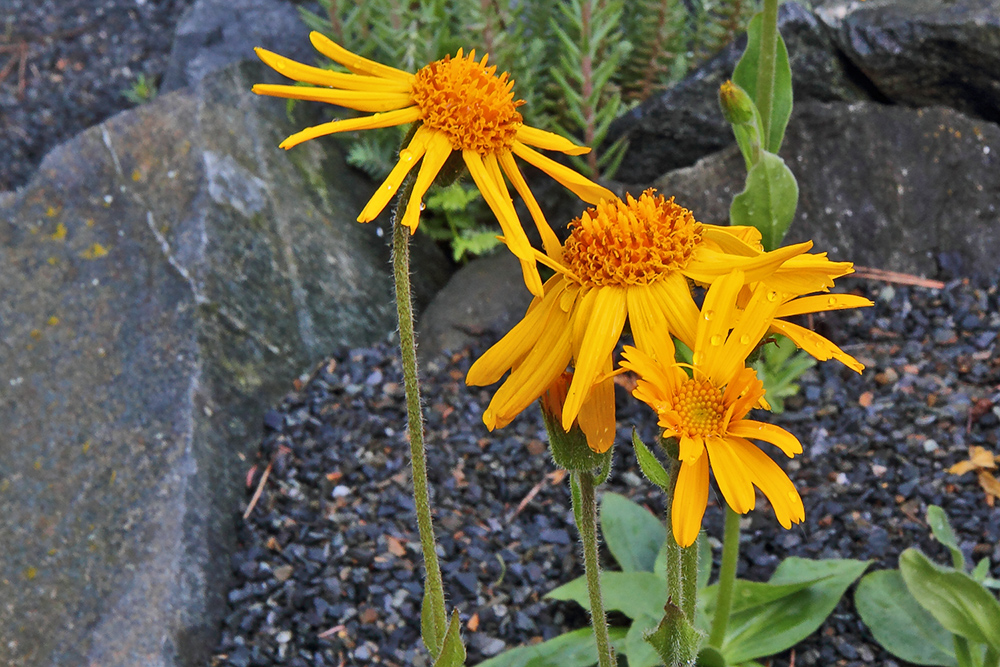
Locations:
column 690, row 448
column 437, row 152
column 733, row 239
column 777, row 436
column 533, row 136
column 603, row 329
column 324, row 77
column 821, row 302
column 549, row 239
column 816, row 345
column 597, row 416
column 386, row 119
column 408, row 157
column 501, row 206
column 361, row 100
column 713, row 324
column 581, row 186
column 772, row 481
column 690, row 500
column 354, row 62
column 650, row 327
column 743, row 392
column 751, row 327
column 707, row 264
column 731, row 474
column 673, row 296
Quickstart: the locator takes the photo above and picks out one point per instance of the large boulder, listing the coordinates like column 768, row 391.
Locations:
column 887, row 187
column 163, row 277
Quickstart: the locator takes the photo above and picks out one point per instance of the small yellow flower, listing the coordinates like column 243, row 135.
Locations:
column 461, row 105
column 623, row 261
column 706, row 411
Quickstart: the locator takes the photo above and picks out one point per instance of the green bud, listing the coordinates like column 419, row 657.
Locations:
column 737, row 107
column 569, row 450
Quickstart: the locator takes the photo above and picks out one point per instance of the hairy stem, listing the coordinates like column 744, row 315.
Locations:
column 587, row 513
column 765, row 67
column 415, row 423
column 727, row 577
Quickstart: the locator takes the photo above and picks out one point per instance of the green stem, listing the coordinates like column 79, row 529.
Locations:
column 992, row 658
column 415, row 423
column 675, row 561
column 765, row 67
column 587, row 512
column 727, row 577
column 962, row 652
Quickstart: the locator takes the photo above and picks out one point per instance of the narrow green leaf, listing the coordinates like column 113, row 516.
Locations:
column 943, row 533
column 428, row 632
column 639, row 652
column 899, row 623
column 961, row 605
column 704, row 561
column 452, row 651
column 982, row 570
column 768, row 201
column 572, row 649
column 745, row 76
column 632, row 593
column 632, row 533
column 650, row 465
column 676, row 641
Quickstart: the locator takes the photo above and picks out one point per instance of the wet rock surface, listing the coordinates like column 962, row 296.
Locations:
column 328, row 569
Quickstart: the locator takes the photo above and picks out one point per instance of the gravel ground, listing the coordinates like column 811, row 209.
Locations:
column 65, row 66
column 328, row 568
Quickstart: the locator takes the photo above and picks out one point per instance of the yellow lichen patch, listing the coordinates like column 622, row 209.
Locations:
column 59, row 234
column 30, row 573
column 633, row 242
column 53, row 321
column 53, row 211
column 95, row 251
column 464, row 99
column 38, row 464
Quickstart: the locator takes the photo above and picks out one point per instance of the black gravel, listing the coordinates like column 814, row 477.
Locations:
column 79, row 57
column 328, row 567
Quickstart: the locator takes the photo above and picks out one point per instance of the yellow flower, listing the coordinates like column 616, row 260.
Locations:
column 623, row 261
column 461, row 105
column 819, row 347
column 706, row 412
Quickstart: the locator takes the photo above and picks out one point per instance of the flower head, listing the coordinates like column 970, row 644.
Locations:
column 624, row 261
column 462, row 105
column 706, row 411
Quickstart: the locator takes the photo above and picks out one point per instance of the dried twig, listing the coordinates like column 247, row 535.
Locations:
column 260, row 489
column 897, row 278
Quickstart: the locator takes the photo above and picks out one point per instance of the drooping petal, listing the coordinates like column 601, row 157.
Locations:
column 777, row 436
column 816, row 345
column 773, row 482
column 324, row 77
column 751, row 327
column 549, row 239
column 713, row 324
column 743, row 392
column 820, row 303
column 385, row 119
column 673, row 296
column 354, row 62
column 649, row 324
column 390, row 186
column 436, row 154
column 604, row 328
column 690, row 500
column 597, row 416
column 362, row 100
column 580, row 185
column 532, row 136
column 707, row 264
column 731, row 474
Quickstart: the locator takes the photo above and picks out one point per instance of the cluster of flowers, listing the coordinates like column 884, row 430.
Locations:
column 637, row 262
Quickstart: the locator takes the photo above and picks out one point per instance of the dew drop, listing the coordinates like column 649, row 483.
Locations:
column 406, row 155
column 745, row 339
column 832, row 301
column 698, row 357
column 716, row 340
column 708, row 314
column 423, row 206
column 388, row 187
column 772, row 295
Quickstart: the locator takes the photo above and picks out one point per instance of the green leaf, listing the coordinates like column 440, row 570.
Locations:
column 632, row 593
column 676, row 641
column 899, row 623
column 650, row 465
column 572, row 649
column 769, row 618
column 711, row 657
column 639, row 652
column 961, row 605
column 704, row 561
column 453, row 651
column 745, row 76
column 768, row 201
column 428, row 632
column 632, row 533
column 982, row 570
column 943, row 533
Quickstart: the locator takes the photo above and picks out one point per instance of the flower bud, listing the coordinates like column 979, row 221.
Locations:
column 569, row 449
column 737, row 107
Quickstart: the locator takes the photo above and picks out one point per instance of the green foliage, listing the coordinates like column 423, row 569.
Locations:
column 718, row 22
column 780, row 365
column 142, row 90
column 930, row 614
column 458, row 210
column 452, row 650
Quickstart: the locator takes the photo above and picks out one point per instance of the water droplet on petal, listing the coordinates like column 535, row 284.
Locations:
column 708, row 314
column 406, row 155
column 388, row 187
column 745, row 339
column 772, row 295
column 716, row 340
column 422, row 206
column 698, row 357
column 832, row 301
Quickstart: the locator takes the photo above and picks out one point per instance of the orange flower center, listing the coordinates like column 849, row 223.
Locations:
column 465, row 100
column 631, row 243
column 699, row 408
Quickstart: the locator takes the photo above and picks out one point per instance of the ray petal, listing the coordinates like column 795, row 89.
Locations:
column 354, row 62
column 385, row 119
column 821, row 302
column 731, row 474
column 438, row 150
column 650, row 327
column 390, row 186
column 777, row 436
column 549, row 239
column 773, row 482
column 690, row 500
column 324, row 77
column 597, row 416
column 362, row 100
column 581, row 186
column 532, row 136
column 816, row 345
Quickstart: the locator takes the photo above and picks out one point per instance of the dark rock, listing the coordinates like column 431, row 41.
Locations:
column 684, row 124
column 924, row 52
column 215, row 33
column 888, row 187
column 165, row 276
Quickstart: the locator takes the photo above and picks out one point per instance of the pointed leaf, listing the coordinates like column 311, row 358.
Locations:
column 676, row 641
column 650, row 465
column 453, row 651
column 899, row 623
column 572, row 649
column 745, row 76
column 982, row 570
column 433, row 639
column 632, row 593
column 943, row 533
column 768, row 201
column 961, row 605
column 632, row 533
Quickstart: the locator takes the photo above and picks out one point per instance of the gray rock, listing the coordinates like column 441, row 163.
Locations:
column 215, row 33
column 888, row 187
column 924, row 52
column 164, row 276
column 684, row 124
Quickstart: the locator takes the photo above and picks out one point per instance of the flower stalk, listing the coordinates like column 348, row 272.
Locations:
column 586, row 511
column 727, row 577
column 765, row 71
column 434, row 586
